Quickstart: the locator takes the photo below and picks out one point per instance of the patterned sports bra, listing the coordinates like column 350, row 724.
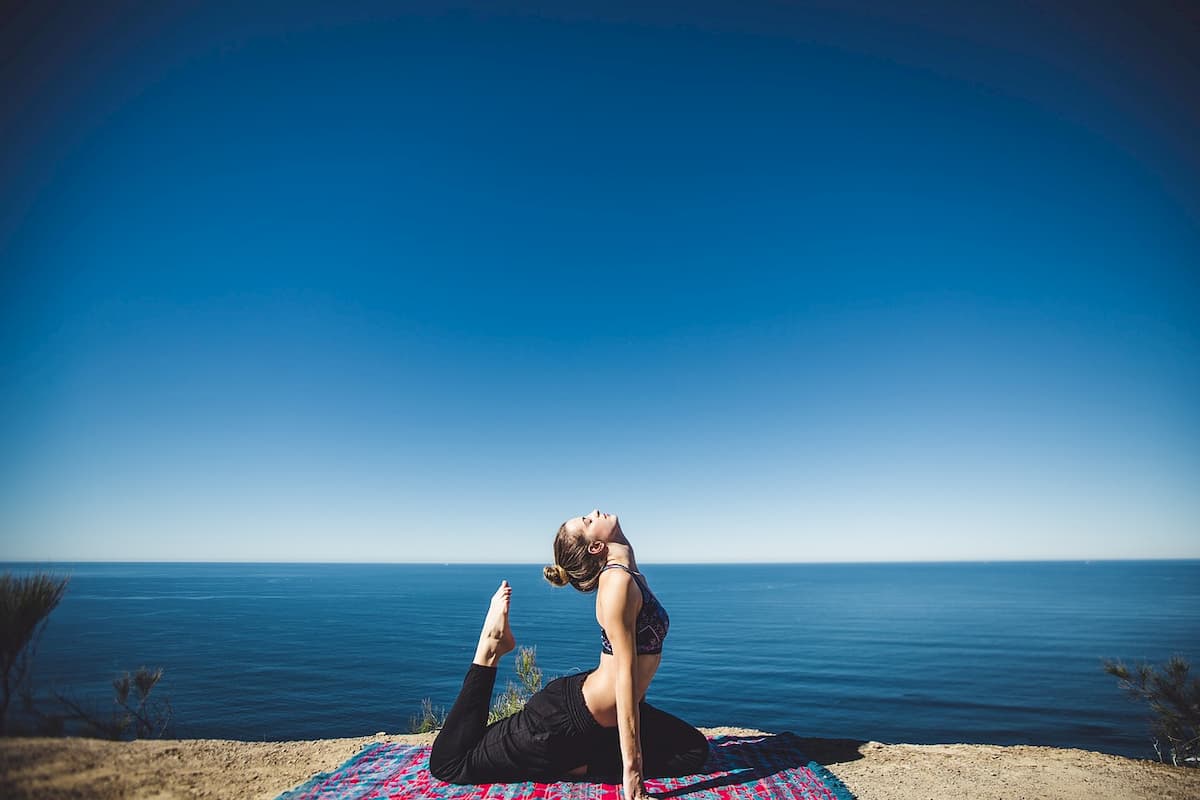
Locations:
column 652, row 621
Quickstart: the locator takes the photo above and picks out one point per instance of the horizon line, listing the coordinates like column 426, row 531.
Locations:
column 1072, row 560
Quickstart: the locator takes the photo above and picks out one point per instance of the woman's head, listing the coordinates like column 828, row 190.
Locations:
column 581, row 548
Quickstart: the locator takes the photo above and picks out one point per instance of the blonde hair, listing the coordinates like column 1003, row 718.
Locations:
column 573, row 563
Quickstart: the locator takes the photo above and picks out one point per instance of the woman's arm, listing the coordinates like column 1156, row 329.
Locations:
column 620, row 602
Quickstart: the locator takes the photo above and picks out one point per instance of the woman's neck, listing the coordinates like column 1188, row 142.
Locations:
column 621, row 553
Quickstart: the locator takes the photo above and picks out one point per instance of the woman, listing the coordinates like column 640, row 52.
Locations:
column 595, row 725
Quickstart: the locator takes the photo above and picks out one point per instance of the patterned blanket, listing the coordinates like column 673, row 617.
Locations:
column 738, row 768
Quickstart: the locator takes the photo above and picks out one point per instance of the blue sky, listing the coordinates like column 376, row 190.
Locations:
column 415, row 282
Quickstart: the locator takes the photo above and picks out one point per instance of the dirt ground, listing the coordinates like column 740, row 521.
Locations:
column 208, row 768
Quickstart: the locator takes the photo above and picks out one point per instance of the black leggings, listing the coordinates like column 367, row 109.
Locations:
column 552, row 735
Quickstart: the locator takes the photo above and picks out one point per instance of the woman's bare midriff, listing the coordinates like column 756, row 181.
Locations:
column 600, row 690
column 600, row 687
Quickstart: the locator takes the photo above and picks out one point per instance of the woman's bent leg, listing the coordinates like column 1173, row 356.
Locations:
column 464, row 726
column 670, row 746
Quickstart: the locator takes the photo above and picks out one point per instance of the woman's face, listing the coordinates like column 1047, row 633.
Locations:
column 596, row 526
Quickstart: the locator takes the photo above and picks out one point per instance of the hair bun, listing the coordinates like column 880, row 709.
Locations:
column 556, row 575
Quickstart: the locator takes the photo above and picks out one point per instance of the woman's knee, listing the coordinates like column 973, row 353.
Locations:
column 686, row 754
column 447, row 772
column 695, row 752
column 439, row 769
column 444, row 768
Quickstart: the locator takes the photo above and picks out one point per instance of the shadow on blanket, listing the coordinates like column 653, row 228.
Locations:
column 745, row 759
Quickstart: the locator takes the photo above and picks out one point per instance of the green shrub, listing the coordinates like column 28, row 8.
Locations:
column 510, row 701
column 514, row 697
column 430, row 719
column 1175, row 700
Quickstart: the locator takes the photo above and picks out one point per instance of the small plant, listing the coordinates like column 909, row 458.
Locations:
column 135, row 714
column 25, row 604
column 430, row 719
column 510, row 701
column 514, row 697
column 1175, row 700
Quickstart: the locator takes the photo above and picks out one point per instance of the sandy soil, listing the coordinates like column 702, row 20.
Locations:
column 207, row 768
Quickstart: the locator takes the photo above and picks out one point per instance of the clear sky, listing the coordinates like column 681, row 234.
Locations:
column 416, row 282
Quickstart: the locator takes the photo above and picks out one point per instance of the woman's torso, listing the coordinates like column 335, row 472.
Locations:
column 600, row 687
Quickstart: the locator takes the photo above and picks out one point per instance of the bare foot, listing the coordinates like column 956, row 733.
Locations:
column 495, row 639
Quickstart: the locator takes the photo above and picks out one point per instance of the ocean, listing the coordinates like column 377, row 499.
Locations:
column 1004, row 653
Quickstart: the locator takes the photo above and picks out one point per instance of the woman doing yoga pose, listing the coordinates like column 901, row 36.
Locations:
column 594, row 725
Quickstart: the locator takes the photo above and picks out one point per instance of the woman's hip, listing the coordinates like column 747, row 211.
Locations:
column 559, row 708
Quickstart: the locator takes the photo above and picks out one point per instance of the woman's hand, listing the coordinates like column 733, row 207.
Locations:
column 635, row 787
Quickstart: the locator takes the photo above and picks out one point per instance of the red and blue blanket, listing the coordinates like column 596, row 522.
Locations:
column 738, row 768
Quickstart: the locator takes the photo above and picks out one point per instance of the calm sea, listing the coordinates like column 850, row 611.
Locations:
column 966, row 652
